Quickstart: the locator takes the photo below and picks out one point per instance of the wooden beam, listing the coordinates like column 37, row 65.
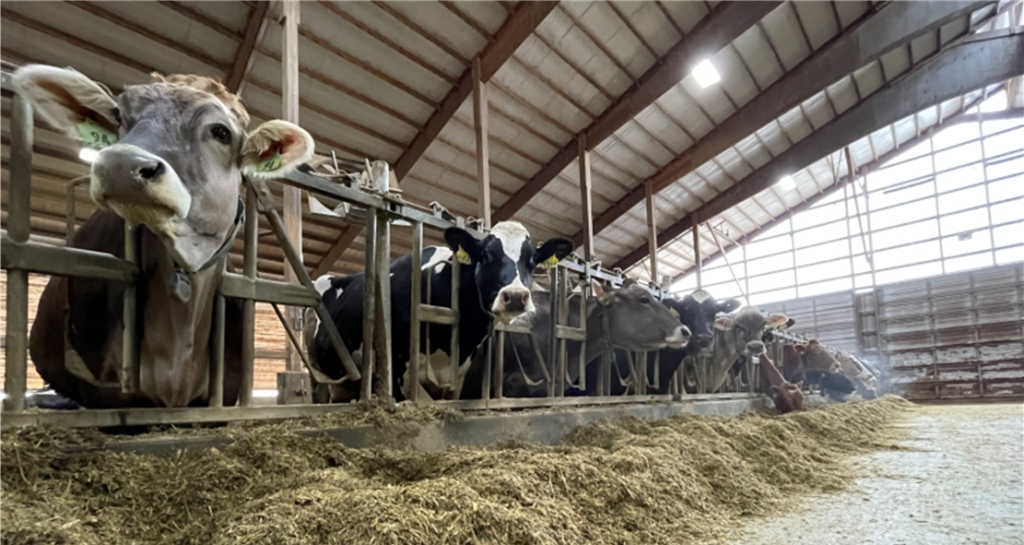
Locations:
column 519, row 25
column 652, row 235
column 483, row 161
column 980, row 60
column 244, row 52
column 292, row 207
column 586, row 200
column 711, row 35
column 858, row 45
column 348, row 236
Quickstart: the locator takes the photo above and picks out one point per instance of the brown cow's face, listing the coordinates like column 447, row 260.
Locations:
column 815, row 357
column 788, row 397
column 171, row 153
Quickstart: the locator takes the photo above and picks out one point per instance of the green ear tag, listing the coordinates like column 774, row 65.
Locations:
column 463, row 256
column 95, row 136
column 550, row 262
column 271, row 164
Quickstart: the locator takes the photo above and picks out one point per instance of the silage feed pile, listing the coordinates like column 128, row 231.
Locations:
column 625, row 481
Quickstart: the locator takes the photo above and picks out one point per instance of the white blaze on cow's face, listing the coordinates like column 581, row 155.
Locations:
column 172, row 152
column 503, row 265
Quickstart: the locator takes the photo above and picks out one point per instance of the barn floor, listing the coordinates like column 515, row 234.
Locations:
column 959, row 480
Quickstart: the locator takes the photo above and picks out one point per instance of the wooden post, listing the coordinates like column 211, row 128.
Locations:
column 369, row 303
column 292, row 196
column 652, row 232
column 483, row 167
column 696, row 250
column 382, row 326
column 586, row 208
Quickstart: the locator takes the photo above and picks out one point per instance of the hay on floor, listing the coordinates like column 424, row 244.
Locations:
column 624, row 481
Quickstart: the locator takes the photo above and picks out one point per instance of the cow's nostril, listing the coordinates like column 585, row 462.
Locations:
column 150, row 172
column 506, row 298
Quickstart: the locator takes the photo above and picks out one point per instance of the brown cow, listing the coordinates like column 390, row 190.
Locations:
column 172, row 156
column 862, row 379
column 786, row 395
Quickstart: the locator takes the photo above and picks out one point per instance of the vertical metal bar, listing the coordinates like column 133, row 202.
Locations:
column 641, row 373
column 485, row 390
column 383, row 313
column 456, row 280
column 652, row 232
column 557, row 387
column 292, row 209
column 369, row 303
column 130, row 361
column 696, row 251
column 557, row 292
column 499, row 385
column 69, row 214
column 417, row 295
column 585, row 289
column 988, row 196
column 483, row 168
column 586, row 201
column 249, row 306
column 18, row 228
column 935, row 188
column 216, row 388
column 728, row 264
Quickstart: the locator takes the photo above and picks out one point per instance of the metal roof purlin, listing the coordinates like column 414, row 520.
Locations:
column 712, row 34
column 978, row 61
column 856, row 46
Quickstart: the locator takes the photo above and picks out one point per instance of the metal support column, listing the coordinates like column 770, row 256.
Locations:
column 696, row 250
column 248, row 305
column 414, row 311
column 19, row 209
column 130, row 360
column 292, row 210
column 382, row 327
column 652, row 232
column 586, row 202
column 369, row 303
column 216, row 388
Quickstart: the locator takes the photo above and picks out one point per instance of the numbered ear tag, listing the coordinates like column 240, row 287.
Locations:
column 550, row 262
column 93, row 135
column 271, row 164
column 463, row 256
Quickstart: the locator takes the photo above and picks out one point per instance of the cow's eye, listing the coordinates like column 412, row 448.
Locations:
column 645, row 300
column 221, row 133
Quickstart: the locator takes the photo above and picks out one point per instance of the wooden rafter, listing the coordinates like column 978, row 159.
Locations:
column 950, row 74
column 897, row 23
column 716, row 31
column 244, row 52
column 519, row 25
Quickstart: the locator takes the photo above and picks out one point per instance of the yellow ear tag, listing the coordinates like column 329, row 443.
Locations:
column 271, row 164
column 550, row 262
column 95, row 136
column 463, row 256
column 674, row 312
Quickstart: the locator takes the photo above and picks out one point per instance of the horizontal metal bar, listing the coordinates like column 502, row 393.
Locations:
column 918, row 316
column 947, row 329
column 928, row 348
column 513, row 328
column 570, row 333
column 922, row 298
column 266, row 291
column 438, row 315
column 540, row 402
column 951, row 365
column 61, row 261
column 142, row 417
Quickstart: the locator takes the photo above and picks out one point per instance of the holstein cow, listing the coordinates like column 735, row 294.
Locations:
column 786, row 395
column 494, row 282
column 629, row 318
column 697, row 312
column 173, row 155
column 737, row 335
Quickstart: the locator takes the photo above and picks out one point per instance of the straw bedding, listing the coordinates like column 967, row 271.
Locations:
column 624, row 481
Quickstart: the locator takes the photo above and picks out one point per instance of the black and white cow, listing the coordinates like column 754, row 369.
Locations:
column 495, row 284
column 697, row 312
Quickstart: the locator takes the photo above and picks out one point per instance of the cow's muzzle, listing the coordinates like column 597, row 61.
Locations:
column 678, row 338
column 139, row 186
column 754, row 348
column 512, row 301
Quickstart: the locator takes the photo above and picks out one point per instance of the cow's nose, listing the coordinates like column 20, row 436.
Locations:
column 679, row 337
column 512, row 300
column 755, row 347
column 150, row 171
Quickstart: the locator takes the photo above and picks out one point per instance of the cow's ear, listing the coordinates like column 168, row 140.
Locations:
column 551, row 252
column 775, row 320
column 801, row 348
column 723, row 323
column 729, row 305
column 70, row 102
column 274, row 149
column 466, row 247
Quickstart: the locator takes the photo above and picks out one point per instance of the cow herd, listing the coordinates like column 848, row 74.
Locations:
column 172, row 157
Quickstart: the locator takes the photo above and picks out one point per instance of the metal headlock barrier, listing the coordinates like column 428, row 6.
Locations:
column 19, row 256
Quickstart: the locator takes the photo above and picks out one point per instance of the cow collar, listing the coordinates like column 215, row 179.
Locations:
column 178, row 281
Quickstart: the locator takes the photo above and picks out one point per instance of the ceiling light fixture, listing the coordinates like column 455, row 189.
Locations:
column 706, row 74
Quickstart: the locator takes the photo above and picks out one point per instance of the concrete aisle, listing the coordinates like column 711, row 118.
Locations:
column 960, row 482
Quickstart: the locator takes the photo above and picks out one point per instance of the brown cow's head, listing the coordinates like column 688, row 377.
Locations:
column 816, row 358
column 171, row 152
column 788, row 397
column 745, row 328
